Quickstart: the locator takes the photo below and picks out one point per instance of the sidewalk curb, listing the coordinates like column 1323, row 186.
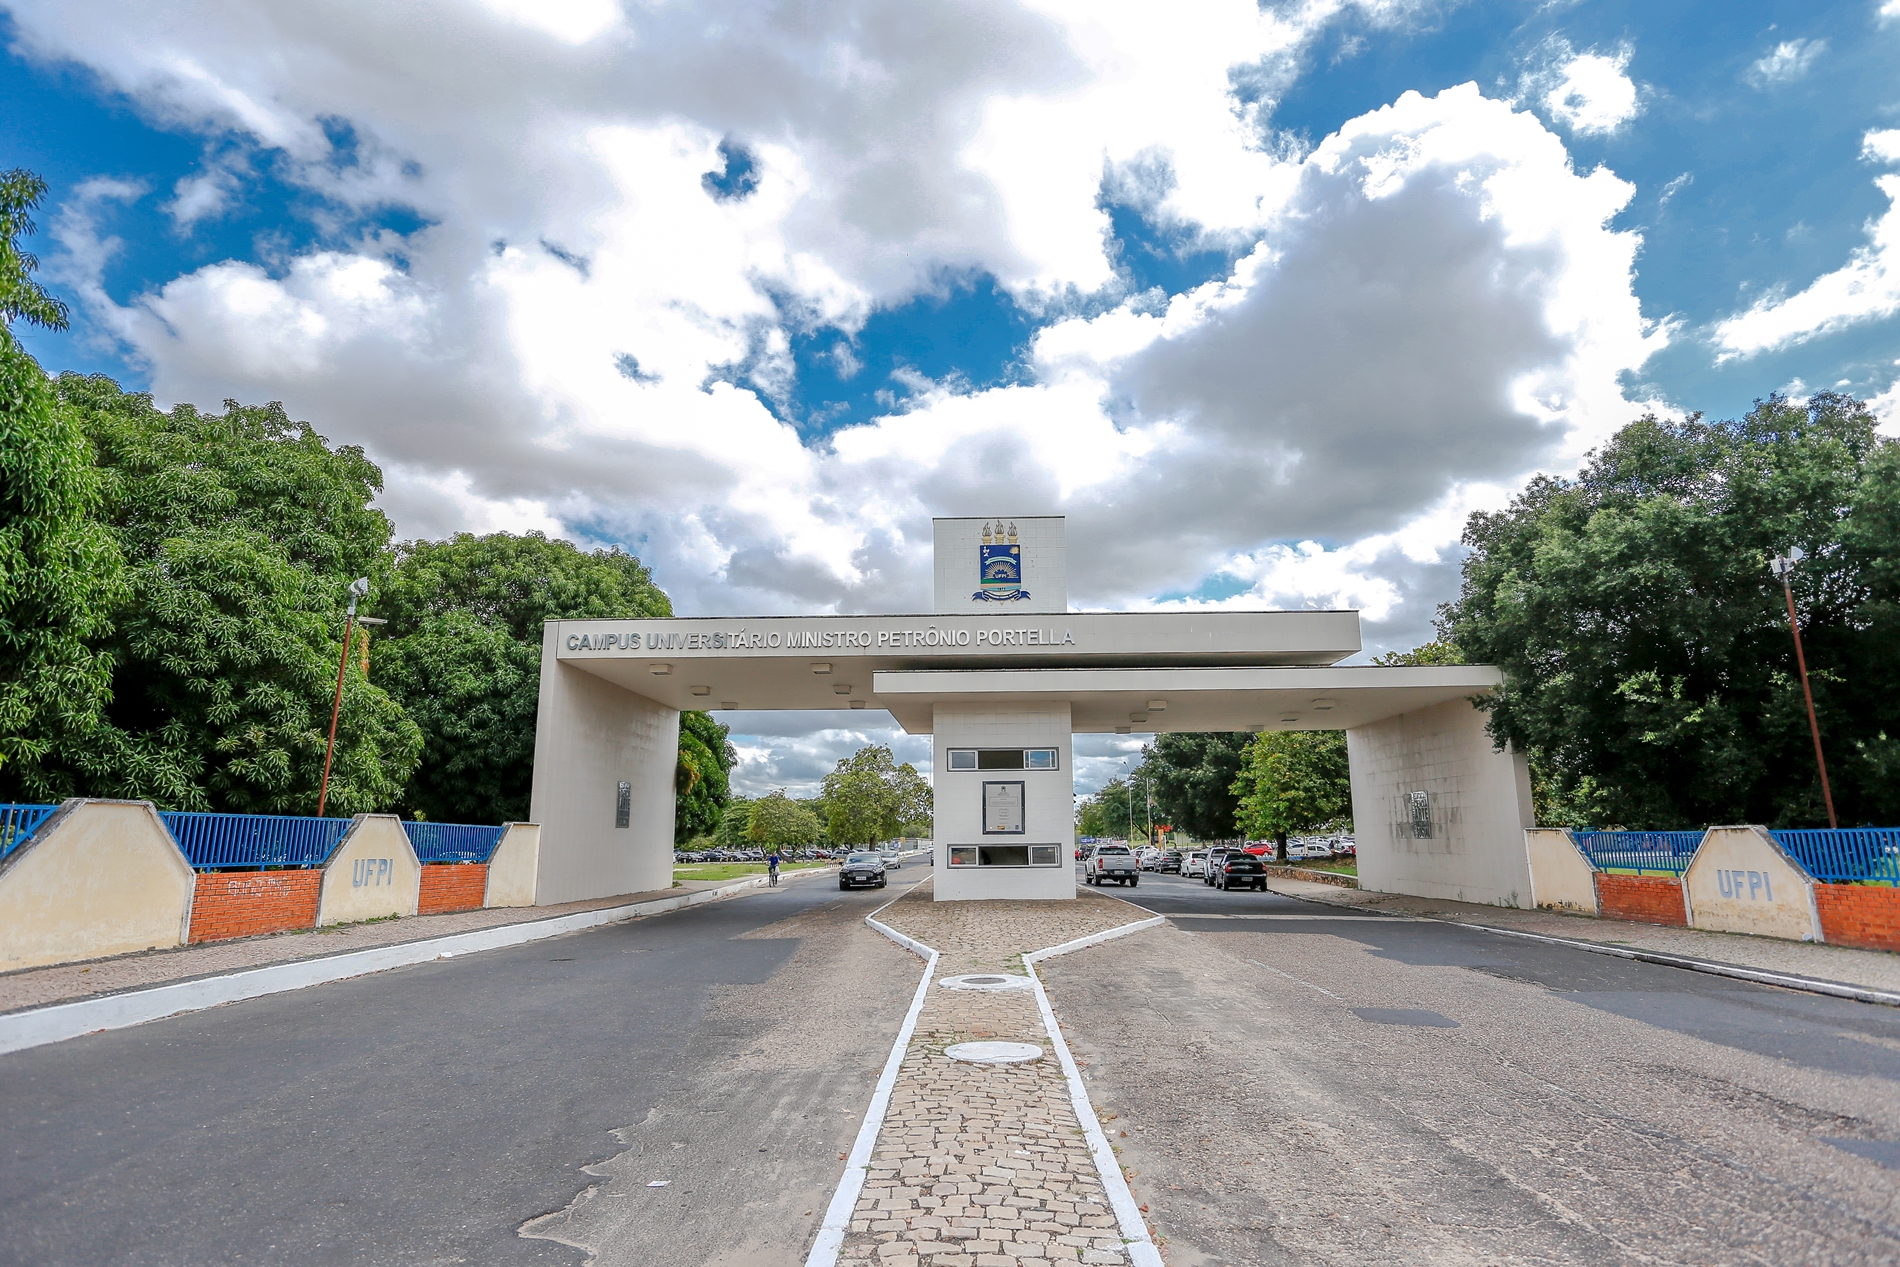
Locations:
column 1812, row 985
column 837, row 1220
column 56, row 1022
column 1142, row 1251
column 1714, row 968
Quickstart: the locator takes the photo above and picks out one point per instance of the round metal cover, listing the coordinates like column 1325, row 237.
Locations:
column 985, row 981
column 994, row 1053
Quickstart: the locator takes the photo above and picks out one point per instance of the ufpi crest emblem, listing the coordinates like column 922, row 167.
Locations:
column 1000, row 566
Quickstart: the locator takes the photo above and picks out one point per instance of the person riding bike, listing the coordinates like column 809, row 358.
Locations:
column 771, row 862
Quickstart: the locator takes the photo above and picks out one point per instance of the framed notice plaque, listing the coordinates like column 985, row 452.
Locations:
column 1003, row 808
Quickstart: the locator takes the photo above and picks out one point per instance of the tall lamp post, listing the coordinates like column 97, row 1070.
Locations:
column 1782, row 566
column 358, row 588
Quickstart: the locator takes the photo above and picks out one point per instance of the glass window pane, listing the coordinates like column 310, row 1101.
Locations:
column 963, row 855
column 1005, row 855
column 1043, row 856
column 962, row 758
column 1040, row 759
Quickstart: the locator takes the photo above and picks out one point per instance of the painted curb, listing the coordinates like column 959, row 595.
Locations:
column 1812, row 985
column 1135, row 1236
column 56, row 1022
column 837, row 1220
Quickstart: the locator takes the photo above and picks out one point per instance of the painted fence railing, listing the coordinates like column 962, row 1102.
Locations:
column 18, row 822
column 231, row 842
column 1665, row 852
column 452, row 842
column 1851, row 855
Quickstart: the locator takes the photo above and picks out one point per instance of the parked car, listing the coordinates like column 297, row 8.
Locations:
column 862, row 868
column 1147, row 858
column 1110, row 862
column 1194, row 863
column 1319, row 847
column 1239, row 869
column 1215, row 857
column 1346, row 847
column 1170, row 862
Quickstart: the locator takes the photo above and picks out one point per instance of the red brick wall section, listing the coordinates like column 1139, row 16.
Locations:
column 1647, row 899
column 246, row 903
column 452, row 886
column 1864, row 915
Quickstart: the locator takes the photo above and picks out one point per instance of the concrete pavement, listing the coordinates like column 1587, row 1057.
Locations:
column 1350, row 1087
column 424, row 1115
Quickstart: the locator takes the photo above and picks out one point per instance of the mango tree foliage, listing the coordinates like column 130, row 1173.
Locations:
column 777, row 819
column 1292, row 781
column 734, row 822
column 239, row 533
column 1107, row 812
column 870, row 797
column 702, row 778
column 1650, row 672
column 1193, row 777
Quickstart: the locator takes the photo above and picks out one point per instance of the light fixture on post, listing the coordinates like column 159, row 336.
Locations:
column 1783, row 565
column 358, row 589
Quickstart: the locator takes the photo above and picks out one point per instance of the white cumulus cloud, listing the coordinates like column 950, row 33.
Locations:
column 1592, row 93
column 1786, row 62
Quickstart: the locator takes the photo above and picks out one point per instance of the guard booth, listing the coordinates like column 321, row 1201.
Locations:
column 1002, row 676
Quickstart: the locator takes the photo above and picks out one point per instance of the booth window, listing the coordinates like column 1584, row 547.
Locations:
column 1003, row 759
column 1005, row 855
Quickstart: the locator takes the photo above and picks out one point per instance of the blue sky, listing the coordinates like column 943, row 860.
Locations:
column 672, row 279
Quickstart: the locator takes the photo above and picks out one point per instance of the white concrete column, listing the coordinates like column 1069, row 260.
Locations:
column 1048, row 804
column 1437, row 810
column 590, row 738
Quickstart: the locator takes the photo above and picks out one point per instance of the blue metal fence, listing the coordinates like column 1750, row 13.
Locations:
column 214, row 842
column 453, row 842
column 19, row 822
column 1667, row 852
column 1869, row 855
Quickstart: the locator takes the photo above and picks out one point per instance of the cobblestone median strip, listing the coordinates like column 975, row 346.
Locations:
column 36, row 1027
column 986, row 1165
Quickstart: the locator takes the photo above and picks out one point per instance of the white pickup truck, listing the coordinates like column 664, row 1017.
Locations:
column 1110, row 862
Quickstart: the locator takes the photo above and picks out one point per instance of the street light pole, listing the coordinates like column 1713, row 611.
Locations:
column 358, row 588
column 1783, row 567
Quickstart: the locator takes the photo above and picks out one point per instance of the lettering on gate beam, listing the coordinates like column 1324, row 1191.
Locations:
column 817, row 639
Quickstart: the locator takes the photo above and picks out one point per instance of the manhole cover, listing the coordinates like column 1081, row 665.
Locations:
column 994, row 1053
column 985, row 981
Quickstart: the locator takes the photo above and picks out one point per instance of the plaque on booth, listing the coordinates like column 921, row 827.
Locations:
column 1003, row 808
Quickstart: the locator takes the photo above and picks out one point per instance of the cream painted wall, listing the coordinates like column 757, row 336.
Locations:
column 1561, row 877
column 1048, row 800
column 99, row 878
column 1741, row 881
column 589, row 736
column 373, row 873
column 1480, row 803
column 511, row 870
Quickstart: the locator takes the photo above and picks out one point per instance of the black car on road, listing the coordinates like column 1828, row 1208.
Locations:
column 1239, row 870
column 862, row 868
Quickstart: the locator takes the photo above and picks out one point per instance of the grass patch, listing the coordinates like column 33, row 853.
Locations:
column 733, row 870
column 1339, row 866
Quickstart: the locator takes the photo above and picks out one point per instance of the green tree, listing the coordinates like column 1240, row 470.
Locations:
column 1193, row 778
column 59, row 570
column 1436, row 652
column 870, row 797
column 462, row 653
column 779, row 820
column 1106, row 813
column 239, row 533
column 1293, row 781
column 734, row 824
column 702, row 778
column 1649, row 671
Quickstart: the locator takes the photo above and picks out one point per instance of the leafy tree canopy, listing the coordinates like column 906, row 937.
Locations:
column 1293, row 781
column 1107, row 812
column 20, row 296
column 870, row 797
column 516, row 583
column 777, row 819
column 702, row 779
column 1193, row 777
column 1650, row 674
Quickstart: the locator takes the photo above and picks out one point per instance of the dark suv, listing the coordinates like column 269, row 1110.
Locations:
column 1239, row 870
column 1170, row 861
column 1215, row 857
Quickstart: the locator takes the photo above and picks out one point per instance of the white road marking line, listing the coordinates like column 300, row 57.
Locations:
column 1290, row 977
column 837, row 1221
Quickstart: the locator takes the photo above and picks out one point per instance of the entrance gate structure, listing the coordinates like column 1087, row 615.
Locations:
column 1002, row 675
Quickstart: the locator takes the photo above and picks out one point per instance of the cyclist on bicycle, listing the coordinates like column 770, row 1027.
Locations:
column 771, row 862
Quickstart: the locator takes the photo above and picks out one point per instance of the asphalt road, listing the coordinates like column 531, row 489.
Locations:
column 424, row 1115
column 1305, row 1084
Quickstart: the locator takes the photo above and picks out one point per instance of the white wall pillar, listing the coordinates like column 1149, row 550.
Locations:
column 1048, row 800
column 1465, row 839
column 590, row 737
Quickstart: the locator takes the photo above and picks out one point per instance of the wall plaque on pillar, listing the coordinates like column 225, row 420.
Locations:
column 623, row 805
column 1421, row 803
column 1003, row 808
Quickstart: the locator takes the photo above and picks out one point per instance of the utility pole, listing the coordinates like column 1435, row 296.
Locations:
column 358, row 588
column 1783, row 567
